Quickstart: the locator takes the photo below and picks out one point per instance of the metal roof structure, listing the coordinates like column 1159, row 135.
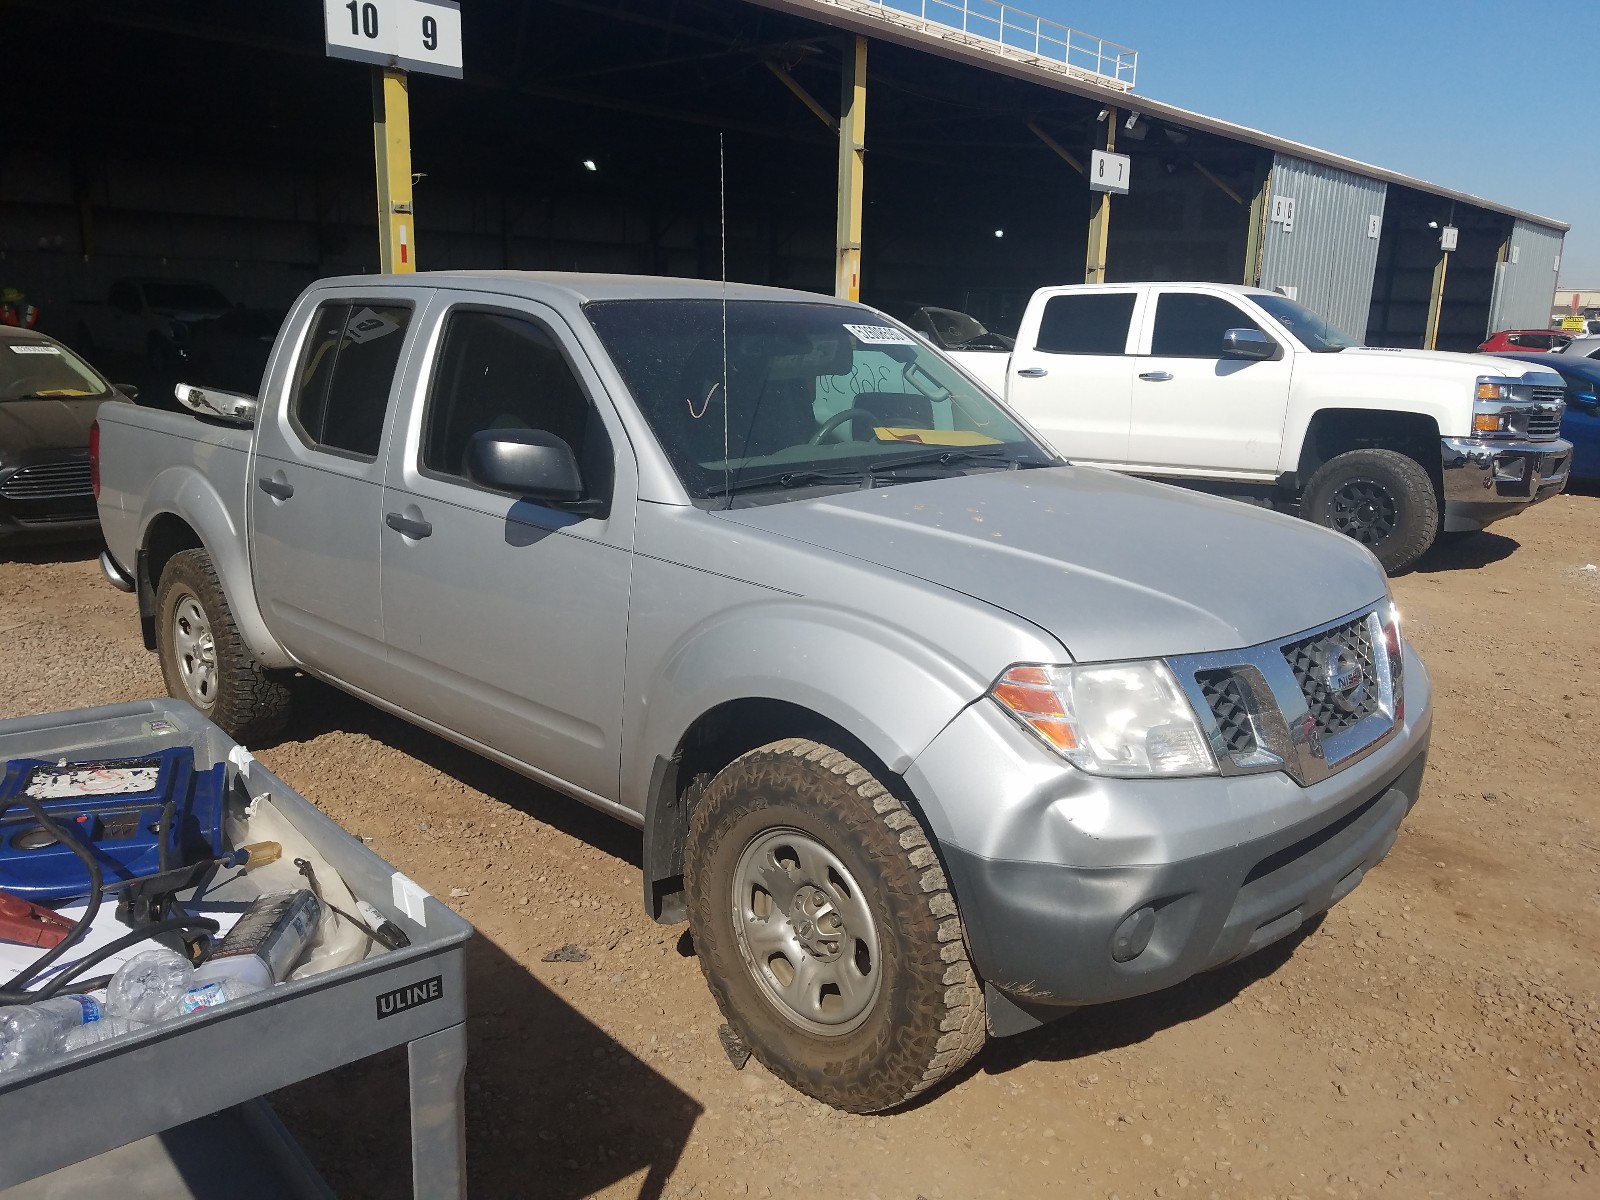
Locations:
column 873, row 19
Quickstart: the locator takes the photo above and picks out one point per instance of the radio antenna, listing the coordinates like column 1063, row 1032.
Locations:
column 722, row 204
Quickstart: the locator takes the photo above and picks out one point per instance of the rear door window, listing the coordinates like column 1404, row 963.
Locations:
column 1091, row 323
column 346, row 375
column 1191, row 325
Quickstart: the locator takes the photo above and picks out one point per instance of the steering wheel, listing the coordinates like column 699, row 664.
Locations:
column 838, row 419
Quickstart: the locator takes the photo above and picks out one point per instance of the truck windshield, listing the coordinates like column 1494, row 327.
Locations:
column 41, row 370
column 799, row 396
column 1314, row 333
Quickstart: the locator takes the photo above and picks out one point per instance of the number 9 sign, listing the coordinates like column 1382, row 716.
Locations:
column 413, row 35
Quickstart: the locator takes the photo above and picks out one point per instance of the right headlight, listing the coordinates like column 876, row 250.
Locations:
column 1127, row 719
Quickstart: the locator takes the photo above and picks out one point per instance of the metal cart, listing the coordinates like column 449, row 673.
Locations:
column 206, row 1072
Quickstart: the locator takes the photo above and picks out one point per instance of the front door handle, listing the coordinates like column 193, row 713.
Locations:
column 278, row 489
column 1156, row 376
column 403, row 524
column 1032, row 373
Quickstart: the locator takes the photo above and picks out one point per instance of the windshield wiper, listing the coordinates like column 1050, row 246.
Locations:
column 953, row 456
column 803, row 477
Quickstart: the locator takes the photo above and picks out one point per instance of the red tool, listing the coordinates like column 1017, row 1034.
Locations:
column 31, row 924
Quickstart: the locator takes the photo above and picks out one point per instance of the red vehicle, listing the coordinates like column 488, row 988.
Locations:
column 1526, row 341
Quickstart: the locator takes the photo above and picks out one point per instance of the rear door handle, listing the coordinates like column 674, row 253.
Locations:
column 1156, row 376
column 1033, row 373
column 278, row 489
column 405, row 525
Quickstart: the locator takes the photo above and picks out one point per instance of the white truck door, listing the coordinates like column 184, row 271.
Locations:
column 1194, row 410
column 316, row 486
column 1070, row 373
column 506, row 618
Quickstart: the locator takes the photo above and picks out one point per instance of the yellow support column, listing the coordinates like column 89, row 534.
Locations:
column 1094, row 268
column 391, row 142
column 852, row 150
column 1255, row 238
column 1430, row 336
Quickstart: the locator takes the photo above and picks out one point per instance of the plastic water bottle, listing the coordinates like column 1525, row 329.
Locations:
column 32, row 1032
column 213, row 992
column 100, row 1031
column 148, row 985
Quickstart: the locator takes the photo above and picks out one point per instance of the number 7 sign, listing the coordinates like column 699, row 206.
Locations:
column 413, row 35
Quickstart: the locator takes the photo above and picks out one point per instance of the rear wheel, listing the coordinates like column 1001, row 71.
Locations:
column 826, row 929
column 205, row 661
column 1381, row 498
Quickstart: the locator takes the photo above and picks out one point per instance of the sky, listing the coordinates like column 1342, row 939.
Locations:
column 1490, row 97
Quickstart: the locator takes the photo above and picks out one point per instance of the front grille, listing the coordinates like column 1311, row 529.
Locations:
column 1544, row 423
column 48, row 481
column 1226, row 698
column 1318, row 660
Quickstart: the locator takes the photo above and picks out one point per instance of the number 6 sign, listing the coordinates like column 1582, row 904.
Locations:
column 413, row 35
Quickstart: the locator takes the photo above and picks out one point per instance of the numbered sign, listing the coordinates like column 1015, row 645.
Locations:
column 414, row 35
column 1108, row 172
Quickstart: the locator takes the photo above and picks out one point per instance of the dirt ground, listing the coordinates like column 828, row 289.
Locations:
column 1436, row 1035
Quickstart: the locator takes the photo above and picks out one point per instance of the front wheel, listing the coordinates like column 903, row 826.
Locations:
column 826, row 929
column 204, row 659
column 1383, row 499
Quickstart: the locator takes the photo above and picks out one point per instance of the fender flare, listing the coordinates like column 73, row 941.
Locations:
column 186, row 494
column 886, row 689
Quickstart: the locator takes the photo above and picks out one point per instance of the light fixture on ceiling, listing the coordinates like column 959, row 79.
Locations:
column 1000, row 233
column 589, row 165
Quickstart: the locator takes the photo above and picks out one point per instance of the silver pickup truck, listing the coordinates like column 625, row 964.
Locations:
column 928, row 733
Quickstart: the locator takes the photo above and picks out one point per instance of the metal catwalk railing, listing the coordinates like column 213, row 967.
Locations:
column 1011, row 33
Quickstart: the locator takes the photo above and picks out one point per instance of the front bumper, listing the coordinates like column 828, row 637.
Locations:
column 1052, row 868
column 47, row 499
column 1487, row 480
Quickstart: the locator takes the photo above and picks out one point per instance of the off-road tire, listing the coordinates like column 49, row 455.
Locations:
column 926, row 1018
column 249, row 702
column 1400, row 493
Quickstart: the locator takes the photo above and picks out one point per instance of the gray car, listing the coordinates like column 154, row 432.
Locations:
column 928, row 733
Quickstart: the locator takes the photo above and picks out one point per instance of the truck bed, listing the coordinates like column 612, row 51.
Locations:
column 148, row 456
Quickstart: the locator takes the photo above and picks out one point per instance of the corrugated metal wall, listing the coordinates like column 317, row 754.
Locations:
column 1525, row 283
column 1329, row 251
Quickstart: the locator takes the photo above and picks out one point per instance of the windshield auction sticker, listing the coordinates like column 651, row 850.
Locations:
column 35, row 350
column 879, row 335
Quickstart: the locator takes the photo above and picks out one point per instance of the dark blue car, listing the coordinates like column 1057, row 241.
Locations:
column 1581, row 424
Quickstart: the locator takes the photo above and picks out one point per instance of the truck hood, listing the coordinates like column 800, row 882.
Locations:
column 1377, row 360
column 28, row 426
column 1112, row 567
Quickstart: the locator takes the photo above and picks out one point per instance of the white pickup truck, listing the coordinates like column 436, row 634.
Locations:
column 1244, row 391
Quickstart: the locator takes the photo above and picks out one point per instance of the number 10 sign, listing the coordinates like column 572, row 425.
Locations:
column 414, row 35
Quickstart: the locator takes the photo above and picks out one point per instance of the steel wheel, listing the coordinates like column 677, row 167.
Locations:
column 1365, row 510
column 806, row 932
column 196, row 651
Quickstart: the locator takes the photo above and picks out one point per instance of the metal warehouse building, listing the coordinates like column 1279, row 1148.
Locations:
column 875, row 144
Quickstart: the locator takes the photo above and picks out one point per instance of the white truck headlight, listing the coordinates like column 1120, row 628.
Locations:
column 1128, row 719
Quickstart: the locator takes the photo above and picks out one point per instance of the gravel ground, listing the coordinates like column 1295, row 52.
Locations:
column 1435, row 1035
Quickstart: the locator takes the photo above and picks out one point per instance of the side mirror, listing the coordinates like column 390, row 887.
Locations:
column 1588, row 401
column 526, row 462
column 127, row 389
column 1249, row 344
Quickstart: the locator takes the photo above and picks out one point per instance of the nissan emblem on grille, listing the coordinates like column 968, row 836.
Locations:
column 1343, row 677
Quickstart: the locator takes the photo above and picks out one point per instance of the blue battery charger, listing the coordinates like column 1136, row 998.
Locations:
column 113, row 806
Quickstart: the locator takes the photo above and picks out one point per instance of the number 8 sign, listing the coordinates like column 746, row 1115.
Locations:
column 414, row 35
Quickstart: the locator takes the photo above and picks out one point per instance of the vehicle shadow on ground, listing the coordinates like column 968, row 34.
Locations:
column 46, row 553
column 1466, row 552
column 1105, row 1027
column 320, row 709
column 555, row 1107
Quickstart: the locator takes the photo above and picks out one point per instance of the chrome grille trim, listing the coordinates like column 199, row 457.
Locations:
column 48, row 481
column 1271, row 707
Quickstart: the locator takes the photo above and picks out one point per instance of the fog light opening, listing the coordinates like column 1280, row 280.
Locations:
column 1133, row 934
